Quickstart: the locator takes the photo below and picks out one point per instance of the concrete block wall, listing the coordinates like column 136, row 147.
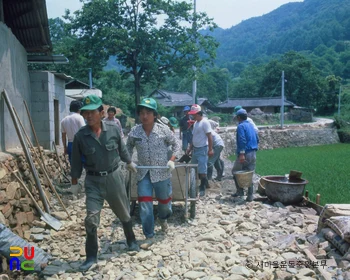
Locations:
column 46, row 89
column 14, row 78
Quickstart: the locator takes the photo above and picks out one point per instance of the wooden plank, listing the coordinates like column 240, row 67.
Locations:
column 316, row 207
column 326, row 275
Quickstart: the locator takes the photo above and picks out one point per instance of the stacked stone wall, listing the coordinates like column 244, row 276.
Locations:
column 17, row 210
column 272, row 138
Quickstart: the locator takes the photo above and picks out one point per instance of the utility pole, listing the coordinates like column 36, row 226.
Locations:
column 227, row 91
column 339, row 100
column 194, row 68
column 282, row 101
column 90, row 77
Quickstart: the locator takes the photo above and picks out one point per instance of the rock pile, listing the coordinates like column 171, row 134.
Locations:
column 228, row 239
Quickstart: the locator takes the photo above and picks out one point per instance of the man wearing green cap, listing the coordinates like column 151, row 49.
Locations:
column 151, row 140
column 101, row 145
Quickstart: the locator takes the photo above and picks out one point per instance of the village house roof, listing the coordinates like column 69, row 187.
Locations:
column 29, row 23
column 76, row 84
column 255, row 102
column 171, row 98
column 78, row 90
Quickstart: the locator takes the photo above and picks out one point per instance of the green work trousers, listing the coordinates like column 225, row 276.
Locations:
column 110, row 188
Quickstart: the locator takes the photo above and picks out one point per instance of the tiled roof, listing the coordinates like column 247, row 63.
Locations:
column 171, row 98
column 255, row 102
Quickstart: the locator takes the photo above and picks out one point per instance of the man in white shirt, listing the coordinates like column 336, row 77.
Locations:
column 215, row 160
column 202, row 145
column 70, row 126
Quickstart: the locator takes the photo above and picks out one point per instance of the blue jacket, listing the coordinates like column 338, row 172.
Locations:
column 247, row 139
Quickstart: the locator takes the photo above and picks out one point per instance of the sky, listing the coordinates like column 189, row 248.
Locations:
column 225, row 13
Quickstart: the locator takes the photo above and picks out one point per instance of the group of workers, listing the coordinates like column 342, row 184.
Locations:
column 96, row 144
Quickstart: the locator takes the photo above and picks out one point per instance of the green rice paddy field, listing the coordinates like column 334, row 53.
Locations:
column 327, row 168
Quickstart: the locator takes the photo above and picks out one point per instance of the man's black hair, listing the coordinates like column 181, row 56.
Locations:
column 75, row 106
column 112, row 109
column 200, row 113
column 243, row 117
column 100, row 109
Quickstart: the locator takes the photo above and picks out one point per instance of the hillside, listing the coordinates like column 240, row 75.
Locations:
column 299, row 26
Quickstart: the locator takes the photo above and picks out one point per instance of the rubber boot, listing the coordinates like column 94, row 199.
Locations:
column 210, row 172
column 219, row 166
column 250, row 194
column 130, row 237
column 164, row 225
column 239, row 191
column 222, row 167
column 202, row 186
column 91, row 247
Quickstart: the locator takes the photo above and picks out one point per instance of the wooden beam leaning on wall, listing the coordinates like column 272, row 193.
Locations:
column 26, row 152
column 42, row 166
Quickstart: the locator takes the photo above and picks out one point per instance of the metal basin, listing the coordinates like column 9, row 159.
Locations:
column 279, row 188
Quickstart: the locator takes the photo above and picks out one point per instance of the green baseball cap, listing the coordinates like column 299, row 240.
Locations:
column 148, row 103
column 239, row 107
column 91, row 102
column 173, row 121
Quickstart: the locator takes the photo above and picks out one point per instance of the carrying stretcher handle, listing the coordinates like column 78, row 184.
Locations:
column 165, row 167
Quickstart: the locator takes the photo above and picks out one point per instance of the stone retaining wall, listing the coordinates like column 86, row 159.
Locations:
column 270, row 138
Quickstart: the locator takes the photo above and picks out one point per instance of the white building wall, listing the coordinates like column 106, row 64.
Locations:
column 14, row 78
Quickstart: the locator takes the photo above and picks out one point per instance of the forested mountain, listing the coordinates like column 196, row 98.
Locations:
column 298, row 26
column 309, row 41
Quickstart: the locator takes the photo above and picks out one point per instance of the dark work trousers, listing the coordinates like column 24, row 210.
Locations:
column 112, row 189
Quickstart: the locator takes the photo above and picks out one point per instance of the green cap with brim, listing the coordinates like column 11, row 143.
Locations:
column 91, row 102
column 148, row 103
column 173, row 121
column 238, row 107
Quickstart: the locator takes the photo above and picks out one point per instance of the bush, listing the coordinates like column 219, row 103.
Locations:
column 342, row 123
column 344, row 135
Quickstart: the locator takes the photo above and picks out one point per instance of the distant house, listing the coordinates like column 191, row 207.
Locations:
column 265, row 104
column 78, row 90
column 178, row 100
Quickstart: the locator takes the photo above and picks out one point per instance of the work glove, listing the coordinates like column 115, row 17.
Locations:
column 75, row 189
column 171, row 166
column 132, row 167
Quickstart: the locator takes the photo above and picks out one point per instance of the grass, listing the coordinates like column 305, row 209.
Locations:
column 326, row 167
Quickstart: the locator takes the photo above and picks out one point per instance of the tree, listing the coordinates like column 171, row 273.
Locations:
column 151, row 39
column 115, row 90
column 66, row 42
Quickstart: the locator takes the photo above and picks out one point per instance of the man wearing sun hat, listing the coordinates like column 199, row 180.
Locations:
column 201, row 146
column 103, row 148
column 247, row 144
column 151, row 140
